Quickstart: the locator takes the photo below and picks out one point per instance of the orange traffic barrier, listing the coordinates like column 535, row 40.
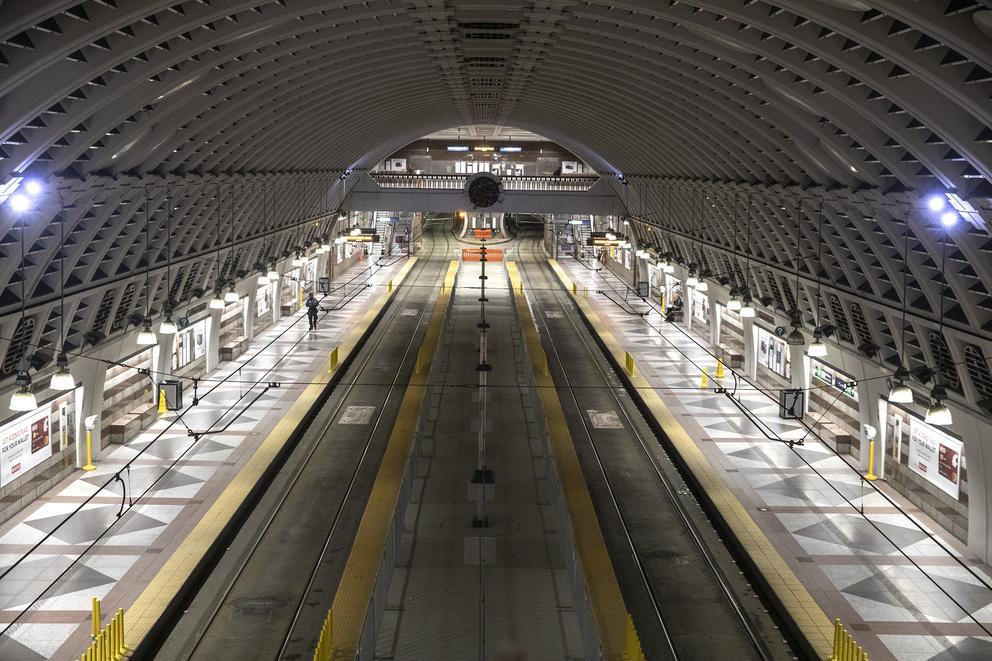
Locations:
column 483, row 233
column 475, row 255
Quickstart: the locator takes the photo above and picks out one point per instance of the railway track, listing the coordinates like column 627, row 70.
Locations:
column 244, row 593
column 669, row 607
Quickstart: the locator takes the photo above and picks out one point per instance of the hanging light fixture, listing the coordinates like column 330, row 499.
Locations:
column 734, row 303
column 230, row 296
column 23, row 399
column 297, row 260
column 273, row 274
column 702, row 285
column 938, row 413
column 147, row 337
column 747, row 308
column 168, row 326
column 692, row 280
column 263, row 279
column 817, row 349
column 62, row 379
column 325, row 245
column 747, row 305
column 900, row 392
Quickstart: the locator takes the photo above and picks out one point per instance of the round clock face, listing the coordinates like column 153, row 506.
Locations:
column 484, row 191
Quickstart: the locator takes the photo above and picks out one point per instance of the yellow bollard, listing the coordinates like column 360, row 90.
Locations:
column 663, row 304
column 871, row 462
column 89, row 453
column 629, row 364
column 719, row 368
column 390, row 287
column 96, row 617
column 332, row 360
column 702, row 382
column 101, row 648
column 585, row 292
column 837, row 639
column 521, row 286
column 120, row 628
column 575, row 288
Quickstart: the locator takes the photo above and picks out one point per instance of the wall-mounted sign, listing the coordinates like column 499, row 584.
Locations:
column 773, row 353
column 569, row 167
column 701, row 307
column 834, row 377
column 935, row 455
column 600, row 239
column 397, row 164
column 25, row 443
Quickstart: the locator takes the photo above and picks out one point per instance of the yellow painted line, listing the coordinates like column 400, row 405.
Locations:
column 351, row 601
column 602, row 587
column 802, row 608
column 152, row 602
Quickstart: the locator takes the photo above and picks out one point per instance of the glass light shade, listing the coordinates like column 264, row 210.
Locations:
column 669, row 268
column 747, row 310
column 147, row 337
column 325, row 247
column 231, row 297
column 23, row 400
column 272, row 275
column 691, row 281
column 734, row 304
column 297, row 262
column 817, row 349
column 901, row 394
column 702, row 286
column 263, row 279
column 216, row 303
column 938, row 414
column 62, row 380
column 796, row 338
column 168, row 327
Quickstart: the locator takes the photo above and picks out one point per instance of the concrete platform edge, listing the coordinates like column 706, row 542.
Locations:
column 165, row 594
column 808, row 624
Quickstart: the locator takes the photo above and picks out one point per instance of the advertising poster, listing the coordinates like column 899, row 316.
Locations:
column 24, row 444
column 701, row 307
column 773, row 353
column 935, row 455
column 263, row 300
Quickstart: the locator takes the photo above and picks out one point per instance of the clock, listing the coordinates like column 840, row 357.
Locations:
column 484, row 189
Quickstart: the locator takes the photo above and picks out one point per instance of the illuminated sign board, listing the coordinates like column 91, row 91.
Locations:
column 603, row 239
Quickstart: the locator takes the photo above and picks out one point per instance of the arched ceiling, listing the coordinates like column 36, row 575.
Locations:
column 861, row 107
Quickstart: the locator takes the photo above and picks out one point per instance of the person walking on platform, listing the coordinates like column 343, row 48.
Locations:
column 313, row 305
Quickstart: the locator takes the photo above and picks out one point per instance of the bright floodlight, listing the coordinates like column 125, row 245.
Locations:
column 949, row 218
column 936, row 203
column 19, row 202
column 32, row 187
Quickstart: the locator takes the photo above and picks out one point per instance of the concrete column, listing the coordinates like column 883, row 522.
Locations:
column 715, row 321
column 869, row 394
column 213, row 340
column 687, row 294
column 163, row 361
column 750, row 354
column 252, row 311
column 92, row 376
column 800, row 373
column 276, row 306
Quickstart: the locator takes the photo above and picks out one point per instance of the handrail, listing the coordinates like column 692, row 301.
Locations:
column 458, row 181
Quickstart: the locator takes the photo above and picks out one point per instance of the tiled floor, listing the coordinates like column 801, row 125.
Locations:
column 859, row 568
column 96, row 554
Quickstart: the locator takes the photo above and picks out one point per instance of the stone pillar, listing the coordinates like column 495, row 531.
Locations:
column 687, row 293
column 213, row 340
column 91, row 375
column 163, row 361
column 715, row 321
column 252, row 311
column 750, row 355
column 276, row 304
column 800, row 376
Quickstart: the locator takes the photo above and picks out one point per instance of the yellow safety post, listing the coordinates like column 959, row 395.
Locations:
column 121, row 648
column 89, row 452
column 101, row 648
column 871, row 462
column 585, row 292
column 702, row 382
column 332, row 360
column 390, row 287
column 96, row 617
column 301, row 297
column 719, row 368
column 663, row 304
column 845, row 648
column 521, row 286
column 629, row 364
column 325, row 643
column 575, row 288
column 161, row 402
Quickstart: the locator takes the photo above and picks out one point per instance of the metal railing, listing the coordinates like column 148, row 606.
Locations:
column 458, row 181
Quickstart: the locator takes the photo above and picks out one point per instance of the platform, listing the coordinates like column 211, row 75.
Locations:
column 118, row 566
column 841, row 558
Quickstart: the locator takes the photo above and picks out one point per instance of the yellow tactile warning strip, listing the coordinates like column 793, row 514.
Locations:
column 802, row 608
column 351, row 601
column 602, row 588
column 152, row 602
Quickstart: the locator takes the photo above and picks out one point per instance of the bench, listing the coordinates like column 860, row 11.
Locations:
column 677, row 315
column 731, row 357
column 123, row 428
column 145, row 413
column 287, row 309
column 233, row 349
column 842, row 439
